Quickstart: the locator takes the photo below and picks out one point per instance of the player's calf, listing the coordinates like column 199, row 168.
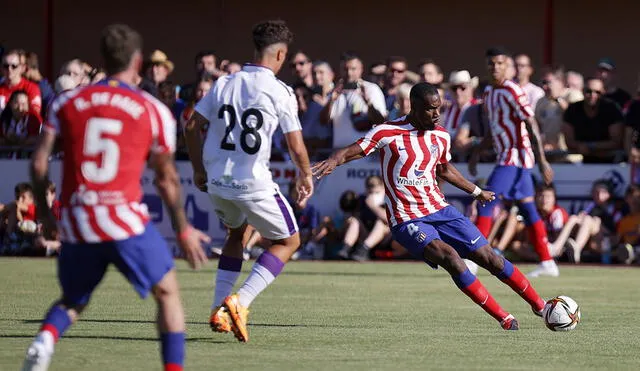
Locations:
column 511, row 275
column 170, row 321
column 487, row 259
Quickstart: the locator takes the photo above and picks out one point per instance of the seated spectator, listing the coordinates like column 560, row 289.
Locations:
column 524, row 71
column 49, row 245
column 632, row 138
column 19, row 221
column 606, row 72
column 593, row 127
column 33, row 74
column 395, row 75
column 402, row 105
column 628, row 230
column 19, row 127
column 550, row 110
column 300, row 65
column 355, row 105
column 312, row 232
column 13, row 81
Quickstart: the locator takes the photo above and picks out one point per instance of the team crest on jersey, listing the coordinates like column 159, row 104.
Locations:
column 420, row 237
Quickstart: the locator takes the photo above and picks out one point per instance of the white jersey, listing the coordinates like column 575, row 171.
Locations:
column 244, row 110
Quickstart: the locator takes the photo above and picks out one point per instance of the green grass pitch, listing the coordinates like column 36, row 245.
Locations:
column 335, row 316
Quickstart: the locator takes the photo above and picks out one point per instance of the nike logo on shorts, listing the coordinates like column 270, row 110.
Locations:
column 475, row 240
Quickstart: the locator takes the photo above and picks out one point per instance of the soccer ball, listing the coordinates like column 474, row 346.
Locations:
column 561, row 314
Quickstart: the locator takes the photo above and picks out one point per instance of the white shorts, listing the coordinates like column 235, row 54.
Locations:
column 271, row 216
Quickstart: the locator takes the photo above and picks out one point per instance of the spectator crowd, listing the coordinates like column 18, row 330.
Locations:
column 588, row 120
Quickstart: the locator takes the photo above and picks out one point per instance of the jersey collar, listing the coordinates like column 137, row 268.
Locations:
column 252, row 67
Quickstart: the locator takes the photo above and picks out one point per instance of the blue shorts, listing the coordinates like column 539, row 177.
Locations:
column 143, row 260
column 448, row 225
column 511, row 183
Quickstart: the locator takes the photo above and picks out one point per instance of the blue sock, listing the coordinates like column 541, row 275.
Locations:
column 56, row 322
column 529, row 213
column 507, row 270
column 172, row 350
column 464, row 279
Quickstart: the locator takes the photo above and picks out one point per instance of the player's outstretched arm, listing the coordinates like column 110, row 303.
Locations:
column 300, row 157
column 337, row 158
column 193, row 140
column 538, row 150
column 168, row 183
column 39, row 170
column 449, row 173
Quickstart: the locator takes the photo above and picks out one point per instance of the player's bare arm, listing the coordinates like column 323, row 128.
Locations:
column 300, row 157
column 39, row 170
column 449, row 173
column 538, row 151
column 474, row 157
column 339, row 157
column 193, row 139
column 168, row 183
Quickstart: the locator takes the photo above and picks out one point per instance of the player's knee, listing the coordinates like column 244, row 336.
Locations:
column 486, row 258
column 444, row 255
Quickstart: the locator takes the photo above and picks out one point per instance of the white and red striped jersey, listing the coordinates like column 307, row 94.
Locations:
column 107, row 130
column 507, row 107
column 453, row 116
column 408, row 158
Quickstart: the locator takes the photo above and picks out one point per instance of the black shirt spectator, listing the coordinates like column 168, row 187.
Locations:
column 593, row 127
column 619, row 96
column 632, row 121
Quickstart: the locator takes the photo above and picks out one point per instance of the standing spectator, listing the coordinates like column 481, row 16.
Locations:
column 377, row 72
column 33, row 74
column 550, row 110
column 75, row 69
column 205, row 67
column 461, row 86
column 323, row 77
column 632, row 138
column 97, row 74
column 64, row 83
column 167, row 95
column 355, row 104
column 606, row 72
column 18, row 126
column 511, row 69
column 232, row 67
column 395, row 75
column 430, row 72
column 402, row 105
column 202, row 89
column 474, row 125
column 593, row 127
column 575, row 81
column 159, row 67
column 300, row 65
column 12, row 71
column 524, row 71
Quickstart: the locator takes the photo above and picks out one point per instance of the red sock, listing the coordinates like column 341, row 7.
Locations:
column 521, row 285
column 484, row 225
column 538, row 236
column 479, row 294
column 172, row 367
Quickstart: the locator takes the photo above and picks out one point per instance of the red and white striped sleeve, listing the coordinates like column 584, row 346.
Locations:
column 444, row 142
column 519, row 101
column 378, row 137
column 163, row 128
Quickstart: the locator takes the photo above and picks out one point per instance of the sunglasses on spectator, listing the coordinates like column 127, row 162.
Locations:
column 459, row 87
column 394, row 70
column 591, row 91
column 10, row 66
column 300, row 63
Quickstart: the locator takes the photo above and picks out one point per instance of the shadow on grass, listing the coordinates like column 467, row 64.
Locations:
column 125, row 321
column 105, row 337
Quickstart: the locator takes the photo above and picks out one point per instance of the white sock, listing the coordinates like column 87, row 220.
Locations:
column 225, row 280
column 258, row 280
column 46, row 338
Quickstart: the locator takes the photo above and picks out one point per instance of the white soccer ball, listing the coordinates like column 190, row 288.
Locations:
column 561, row 313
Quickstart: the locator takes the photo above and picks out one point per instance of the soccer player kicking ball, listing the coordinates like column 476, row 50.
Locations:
column 414, row 150
column 242, row 112
column 514, row 133
column 108, row 131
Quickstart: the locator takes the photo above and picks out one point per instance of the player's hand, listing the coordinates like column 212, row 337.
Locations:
column 190, row 241
column 200, row 180
column 304, row 187
column 323, row 168
column 547, row 172
column 486, row 196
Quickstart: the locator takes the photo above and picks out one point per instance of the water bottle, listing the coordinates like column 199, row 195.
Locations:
column 606, row 250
